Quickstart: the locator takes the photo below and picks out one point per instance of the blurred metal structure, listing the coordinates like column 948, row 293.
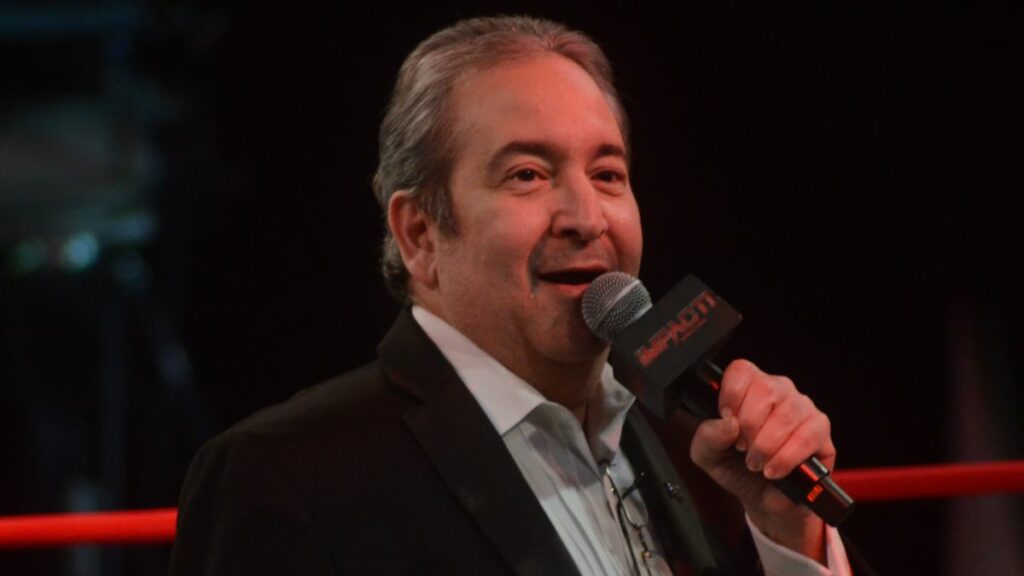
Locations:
column 89, row 353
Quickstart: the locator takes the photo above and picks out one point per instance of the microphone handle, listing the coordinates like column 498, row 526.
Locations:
column 809, row 484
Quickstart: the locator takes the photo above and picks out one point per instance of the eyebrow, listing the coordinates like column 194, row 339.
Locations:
column 546, row 150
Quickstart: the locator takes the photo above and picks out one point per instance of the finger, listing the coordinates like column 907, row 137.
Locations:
column 780, row 424
column 714, row 441
column 765, row 393
column 811, row 438
column 735, row 382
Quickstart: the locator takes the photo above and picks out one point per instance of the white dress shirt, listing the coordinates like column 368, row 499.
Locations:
column 565, row 467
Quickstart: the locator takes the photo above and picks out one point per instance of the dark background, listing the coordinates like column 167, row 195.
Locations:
column 846, row 179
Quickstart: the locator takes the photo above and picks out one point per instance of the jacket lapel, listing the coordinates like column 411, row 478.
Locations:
column 668, row 503
column 469, row 454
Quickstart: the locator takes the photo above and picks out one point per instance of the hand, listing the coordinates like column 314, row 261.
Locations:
column 767, row 429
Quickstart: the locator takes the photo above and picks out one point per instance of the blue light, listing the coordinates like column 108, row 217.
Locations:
column 80, row 251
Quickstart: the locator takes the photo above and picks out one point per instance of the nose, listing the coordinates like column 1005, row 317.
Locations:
column 580, row 212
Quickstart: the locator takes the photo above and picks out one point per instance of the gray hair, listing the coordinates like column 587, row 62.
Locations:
column 416, row 136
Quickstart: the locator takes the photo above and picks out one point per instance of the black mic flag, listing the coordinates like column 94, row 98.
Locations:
column 663, row 354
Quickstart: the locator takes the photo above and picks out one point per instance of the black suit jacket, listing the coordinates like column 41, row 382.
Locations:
column 395, row 469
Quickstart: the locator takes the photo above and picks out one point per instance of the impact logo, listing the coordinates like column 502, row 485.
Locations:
column 677, row 330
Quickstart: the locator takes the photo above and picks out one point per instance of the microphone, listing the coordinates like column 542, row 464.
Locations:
column 662, row 353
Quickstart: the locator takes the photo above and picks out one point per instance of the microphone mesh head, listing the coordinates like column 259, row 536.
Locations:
column 612, row 301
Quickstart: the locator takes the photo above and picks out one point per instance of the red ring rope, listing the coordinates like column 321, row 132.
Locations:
column 932, row 481
column 134, row 527
column 867, row 484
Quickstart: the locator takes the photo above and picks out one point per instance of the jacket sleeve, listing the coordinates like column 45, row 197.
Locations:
column 240, row 512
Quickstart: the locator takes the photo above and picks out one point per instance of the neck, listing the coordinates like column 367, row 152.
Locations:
column 571, row 385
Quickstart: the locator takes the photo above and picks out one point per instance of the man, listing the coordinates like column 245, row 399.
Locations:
column 490, row 437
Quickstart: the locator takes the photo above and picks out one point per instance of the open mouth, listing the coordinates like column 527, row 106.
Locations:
column 571, row 277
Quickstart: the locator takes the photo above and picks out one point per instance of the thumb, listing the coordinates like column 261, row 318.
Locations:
column 714, row 440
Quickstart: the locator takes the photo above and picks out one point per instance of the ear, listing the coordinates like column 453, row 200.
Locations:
column 416, row 236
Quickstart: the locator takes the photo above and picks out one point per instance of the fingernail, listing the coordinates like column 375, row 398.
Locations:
column 754, row 464
column 741, row 445
column 734, row 425
column 770, row 472
column 726, row 412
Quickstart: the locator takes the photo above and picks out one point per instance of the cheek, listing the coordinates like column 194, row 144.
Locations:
column 627, row 234
column 510, row 253
column 509, row 233
column 497, row 255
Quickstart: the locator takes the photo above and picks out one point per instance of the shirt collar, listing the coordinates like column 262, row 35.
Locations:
column 507, row 399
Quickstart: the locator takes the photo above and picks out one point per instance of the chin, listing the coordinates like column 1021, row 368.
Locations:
column 578, row 346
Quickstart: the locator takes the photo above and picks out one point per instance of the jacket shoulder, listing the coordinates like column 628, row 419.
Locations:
column 303, row 475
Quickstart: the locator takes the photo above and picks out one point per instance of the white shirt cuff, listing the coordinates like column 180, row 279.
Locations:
column 778, row 560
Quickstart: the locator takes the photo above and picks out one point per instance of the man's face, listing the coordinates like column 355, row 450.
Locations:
column 541, row 195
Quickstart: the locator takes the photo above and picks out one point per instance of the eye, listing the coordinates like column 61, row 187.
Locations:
column 611, row 176
column 525, row 175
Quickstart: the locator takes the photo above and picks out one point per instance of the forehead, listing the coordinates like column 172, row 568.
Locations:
column 542, row 98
